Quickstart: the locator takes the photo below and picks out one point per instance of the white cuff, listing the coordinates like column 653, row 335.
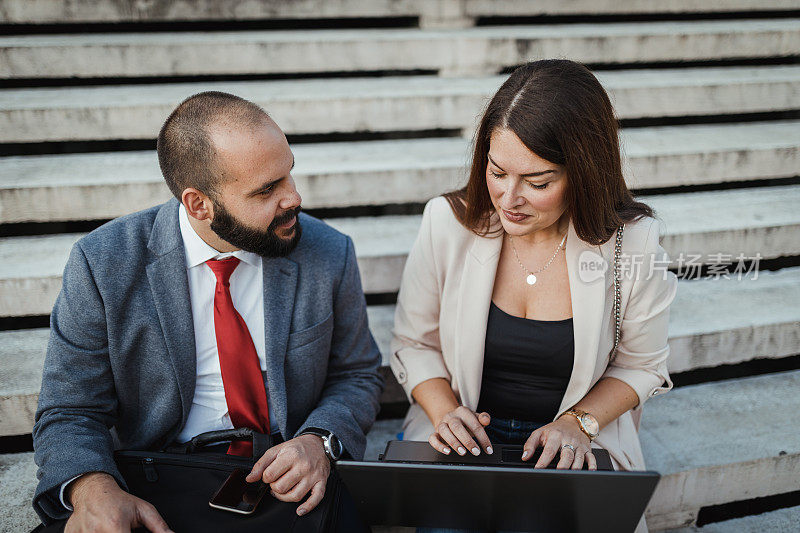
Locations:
column 61, row 493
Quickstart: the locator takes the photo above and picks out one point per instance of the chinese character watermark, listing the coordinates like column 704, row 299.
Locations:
column 686, row 265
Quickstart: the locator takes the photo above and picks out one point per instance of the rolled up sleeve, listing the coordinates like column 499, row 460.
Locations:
column 416, row 354
column 641, row 358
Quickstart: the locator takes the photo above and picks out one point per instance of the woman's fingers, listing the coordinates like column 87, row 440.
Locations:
column 475, row 423
column 462, row 430
column 552, row 443
column 531, row 444
column 591, row 462
column 462, row 433
column 438, row 444
column 577, row 464
column 447, row 435
column 567, row 456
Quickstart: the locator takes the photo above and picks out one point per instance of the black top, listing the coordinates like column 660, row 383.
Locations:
column 526, row 367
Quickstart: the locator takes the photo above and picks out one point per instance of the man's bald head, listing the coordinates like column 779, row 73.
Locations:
column 186, row 151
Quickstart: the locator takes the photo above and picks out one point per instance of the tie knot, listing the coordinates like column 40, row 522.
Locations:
column 223, row 268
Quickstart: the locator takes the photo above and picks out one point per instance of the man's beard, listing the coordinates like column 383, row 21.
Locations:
column 265, row 243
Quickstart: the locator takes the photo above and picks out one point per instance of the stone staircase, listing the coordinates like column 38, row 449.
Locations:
column 379, row 105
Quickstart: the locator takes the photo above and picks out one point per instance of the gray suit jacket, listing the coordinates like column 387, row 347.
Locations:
column 120, row 366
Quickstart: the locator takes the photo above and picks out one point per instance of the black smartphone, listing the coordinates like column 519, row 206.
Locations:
column 237, row 495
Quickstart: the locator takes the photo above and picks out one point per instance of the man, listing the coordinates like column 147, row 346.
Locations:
column 167, row 315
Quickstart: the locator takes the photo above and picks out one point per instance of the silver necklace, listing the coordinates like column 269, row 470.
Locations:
column 531, row 276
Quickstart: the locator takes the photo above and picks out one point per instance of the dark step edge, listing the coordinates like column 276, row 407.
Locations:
column 208, row 25
column 378, row 22
column 743, row 508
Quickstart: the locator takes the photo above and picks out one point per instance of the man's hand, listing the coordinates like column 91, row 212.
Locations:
column 100, row 505
column 292, row 469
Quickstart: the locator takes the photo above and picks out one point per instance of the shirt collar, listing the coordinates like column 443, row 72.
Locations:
column 198, row 251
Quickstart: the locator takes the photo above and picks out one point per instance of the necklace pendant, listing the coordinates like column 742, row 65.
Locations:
column 531, row 279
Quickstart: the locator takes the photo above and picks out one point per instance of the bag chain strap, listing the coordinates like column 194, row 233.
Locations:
column 617, row 277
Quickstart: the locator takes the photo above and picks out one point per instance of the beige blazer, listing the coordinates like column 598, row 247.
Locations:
column 443, row 307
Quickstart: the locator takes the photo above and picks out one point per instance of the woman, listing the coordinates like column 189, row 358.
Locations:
column 505, row 324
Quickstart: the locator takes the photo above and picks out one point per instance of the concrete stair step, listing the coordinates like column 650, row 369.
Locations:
column 698, row 226
column 757, row 220
column 49, row 12
column 721, row 442
column 382, row 432
column 107, row 185
column 22, row 355
column 485, row 49
column 441, row 11
column 17, row 484
column 785, row 520
column 713, row 322
column 408, row 103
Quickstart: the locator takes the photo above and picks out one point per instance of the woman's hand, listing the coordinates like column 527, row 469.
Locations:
column 553, row 437
column 459, row 430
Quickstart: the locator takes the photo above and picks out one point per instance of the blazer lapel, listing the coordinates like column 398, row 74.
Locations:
column 588, row 295
column 169, row 284
column 280, row 284
column 474, row 299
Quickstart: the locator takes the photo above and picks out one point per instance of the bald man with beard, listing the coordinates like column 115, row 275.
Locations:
column 225, row 307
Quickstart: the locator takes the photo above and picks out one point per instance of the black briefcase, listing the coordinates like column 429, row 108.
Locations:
column 181, row 480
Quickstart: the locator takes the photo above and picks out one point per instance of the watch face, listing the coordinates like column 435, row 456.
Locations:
column 335, row 446
column 590, row 423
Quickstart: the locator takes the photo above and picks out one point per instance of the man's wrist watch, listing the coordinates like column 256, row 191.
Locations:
column 587, row 422
column 332, row 445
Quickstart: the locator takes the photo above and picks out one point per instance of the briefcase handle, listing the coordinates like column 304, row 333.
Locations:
column 261, row 441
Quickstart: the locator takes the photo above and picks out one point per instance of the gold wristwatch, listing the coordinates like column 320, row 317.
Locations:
column 587, row 422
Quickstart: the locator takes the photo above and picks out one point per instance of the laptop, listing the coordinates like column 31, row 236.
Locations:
column 494, row 492
column 409, row 451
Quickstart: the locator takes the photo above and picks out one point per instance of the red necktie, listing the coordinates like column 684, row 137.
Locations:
column 245, row 393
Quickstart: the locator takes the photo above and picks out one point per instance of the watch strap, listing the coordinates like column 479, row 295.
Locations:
column 578, row 414
column 327, row 441
column 319, row 432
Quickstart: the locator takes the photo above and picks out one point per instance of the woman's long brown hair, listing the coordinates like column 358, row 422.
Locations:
column 559, row 111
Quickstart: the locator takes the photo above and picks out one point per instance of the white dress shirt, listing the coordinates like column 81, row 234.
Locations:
column 209, row 410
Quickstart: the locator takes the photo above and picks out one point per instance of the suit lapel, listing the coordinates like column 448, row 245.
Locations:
column 474, row 299
column 280, row 285
column 169, row 284
column 588, row 297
